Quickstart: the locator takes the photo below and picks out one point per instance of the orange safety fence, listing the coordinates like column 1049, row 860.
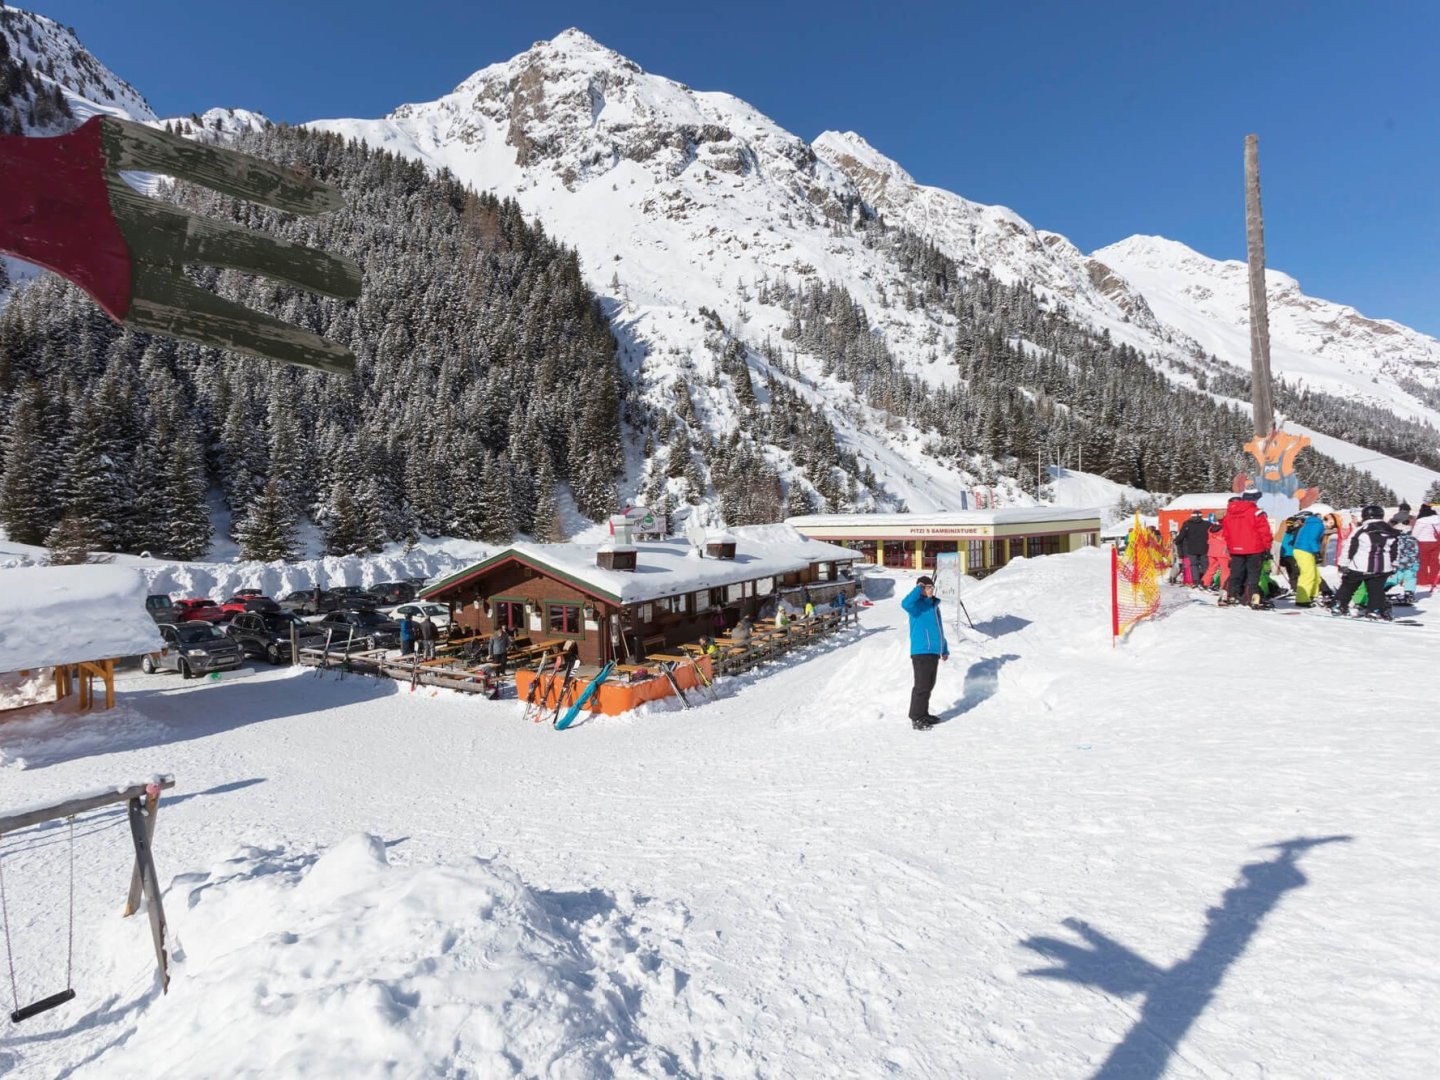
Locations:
column 1135, row 579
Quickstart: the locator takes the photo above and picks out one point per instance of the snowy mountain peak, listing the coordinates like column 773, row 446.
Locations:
column 858, row 155
column 1315, row 343
column 55, row 61
column 583, row 110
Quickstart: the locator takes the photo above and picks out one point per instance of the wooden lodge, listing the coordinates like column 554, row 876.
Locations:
column 621, row 601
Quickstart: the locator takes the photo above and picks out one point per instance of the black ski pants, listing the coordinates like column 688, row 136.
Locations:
column 1375, row 599
column 1197, row 568
column 927, row 666
column 1245, row 576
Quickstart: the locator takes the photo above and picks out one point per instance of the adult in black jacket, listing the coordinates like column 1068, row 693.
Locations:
column 1193, row 544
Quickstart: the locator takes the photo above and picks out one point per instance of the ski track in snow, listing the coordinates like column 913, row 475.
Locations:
column 786, row 882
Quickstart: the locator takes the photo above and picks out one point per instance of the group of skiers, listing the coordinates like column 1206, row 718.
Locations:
column 1237, row 554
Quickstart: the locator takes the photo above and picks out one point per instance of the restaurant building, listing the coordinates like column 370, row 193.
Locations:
column 985, row 539
column 620, row 600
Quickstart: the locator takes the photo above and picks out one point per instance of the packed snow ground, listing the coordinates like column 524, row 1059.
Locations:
column 1229, row 858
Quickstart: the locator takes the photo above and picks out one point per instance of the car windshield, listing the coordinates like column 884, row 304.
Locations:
column 369, row 618
column 435, row 609
column 194, row 633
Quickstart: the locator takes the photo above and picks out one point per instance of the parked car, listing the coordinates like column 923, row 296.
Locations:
column 249, row 602
column 193, row 648
column 160, row 607
column 393, row 592
column 353, row 596
column 303, row 603
column 369, row 627
column 438, row 612
column 267, row 634
column 198, row 609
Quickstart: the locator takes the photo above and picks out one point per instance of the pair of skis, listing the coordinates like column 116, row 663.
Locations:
column 668, row 668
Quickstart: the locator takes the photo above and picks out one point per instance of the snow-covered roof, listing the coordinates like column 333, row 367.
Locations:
column 1201, row 501
column 1011, row 515
column 64, row 614
column 666, row 567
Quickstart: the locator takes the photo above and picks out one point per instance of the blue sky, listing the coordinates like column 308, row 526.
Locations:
column 1093, row 120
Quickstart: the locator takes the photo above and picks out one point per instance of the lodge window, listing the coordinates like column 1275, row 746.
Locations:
column 735, row 592
column 510, row 614
column 563, row 619
column 975, row 555
column 701, row 600
column 1041, row 545
column 670, row 605
column 824, row 571
column 765, row 586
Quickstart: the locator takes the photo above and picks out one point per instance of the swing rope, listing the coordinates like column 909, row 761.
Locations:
column 69, row 992
column 5, row 917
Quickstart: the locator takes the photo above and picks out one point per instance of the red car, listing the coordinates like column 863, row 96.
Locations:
column 242, row 602
column 199, row 610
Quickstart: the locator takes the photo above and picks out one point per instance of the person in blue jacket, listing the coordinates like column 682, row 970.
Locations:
column 927, row 648
column 1306, row 545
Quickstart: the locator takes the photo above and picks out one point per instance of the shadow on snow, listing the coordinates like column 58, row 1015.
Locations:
column 1175, row 996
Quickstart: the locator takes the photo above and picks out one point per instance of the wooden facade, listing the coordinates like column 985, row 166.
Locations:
column 544, row 603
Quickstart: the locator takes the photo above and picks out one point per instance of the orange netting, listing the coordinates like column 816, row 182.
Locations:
column 1135, row 579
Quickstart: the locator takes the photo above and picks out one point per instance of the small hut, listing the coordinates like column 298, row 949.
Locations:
column 63, row 627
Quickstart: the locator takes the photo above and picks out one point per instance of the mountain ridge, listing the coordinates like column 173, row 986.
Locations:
column 700, row 222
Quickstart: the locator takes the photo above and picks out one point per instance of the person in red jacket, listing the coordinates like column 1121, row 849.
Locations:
column 1247, row 538
column 1217, row 568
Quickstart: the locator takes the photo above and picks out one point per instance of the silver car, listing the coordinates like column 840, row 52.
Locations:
column 193, row 648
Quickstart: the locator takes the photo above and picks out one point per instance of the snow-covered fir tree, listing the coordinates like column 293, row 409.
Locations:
column 267, row 531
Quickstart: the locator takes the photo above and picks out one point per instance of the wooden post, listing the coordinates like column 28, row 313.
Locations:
column 152, row 807
column 1260, row 396
column 145, row 865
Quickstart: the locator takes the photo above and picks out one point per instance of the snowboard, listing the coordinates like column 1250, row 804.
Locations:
column 1324, row 613
column 584, row 698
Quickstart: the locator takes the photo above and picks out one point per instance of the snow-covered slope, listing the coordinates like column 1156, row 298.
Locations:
column 1314, row 344
column 1070, row 877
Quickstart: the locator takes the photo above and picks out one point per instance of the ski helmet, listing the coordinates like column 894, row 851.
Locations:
column 1372, row 513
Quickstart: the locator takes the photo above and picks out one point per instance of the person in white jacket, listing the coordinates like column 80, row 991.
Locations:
column 1368, row 559
column 1426, row 531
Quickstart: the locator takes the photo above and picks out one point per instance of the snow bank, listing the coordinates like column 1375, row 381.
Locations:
column 63, row 614
column 219, row 580
column 337, row 963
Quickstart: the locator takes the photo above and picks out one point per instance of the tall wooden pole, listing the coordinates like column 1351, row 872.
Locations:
column 1259, row 313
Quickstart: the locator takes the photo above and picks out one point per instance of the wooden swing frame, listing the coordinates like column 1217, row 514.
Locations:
column 144, row 805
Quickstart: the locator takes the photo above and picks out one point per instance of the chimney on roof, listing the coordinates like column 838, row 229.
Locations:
column 720, row 546
column 613, row 556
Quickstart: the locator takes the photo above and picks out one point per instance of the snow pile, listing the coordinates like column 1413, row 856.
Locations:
column 299, row 963
column 64, row 614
